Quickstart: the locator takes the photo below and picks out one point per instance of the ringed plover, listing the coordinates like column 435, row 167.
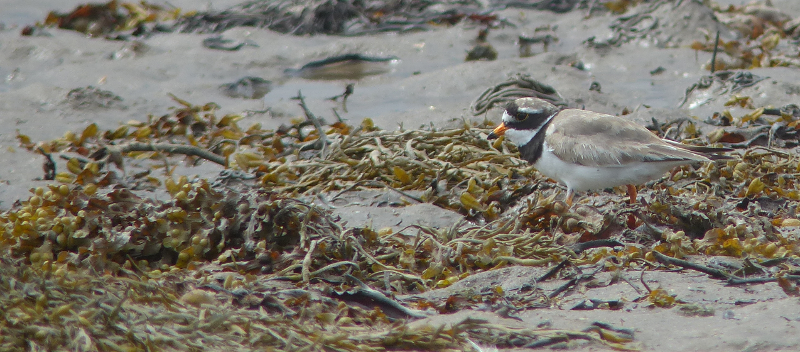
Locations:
column 588, row 150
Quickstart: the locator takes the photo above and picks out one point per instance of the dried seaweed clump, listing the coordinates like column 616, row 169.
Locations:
column 741, row 208
column 336, row 17
column 83, row 310
column 256, row 267
column 208, row 269
column 254, row 231
column 102, row 228
column 765, row 38
column 456, row 169
column 663, row 23
column 101, row 19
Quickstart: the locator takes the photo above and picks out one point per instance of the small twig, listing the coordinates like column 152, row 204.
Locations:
column 641, row 279
column 133, row 263
column 564, row 287
column 552, row 272
column 311, row 117
column 304, row 226
column 81, row 160
column 773, row 131
column 374, row 183
column 521, row 261
column 582, row 246
column 754, row 280
column 338, row 118
column 307, row 262
column 49, row 166
column 591, row 7
column 689, row 265
column 167, row 168
column 657, row 126
column 325, row 201
column 714, row 55
column 748, row 143
column 623, row 278
column 574, row 281
column 774, row 151
column 113, row 314
column 348, row 91
column 331, row 266
column 225, row 141
column 364, row 293
column 174, row 149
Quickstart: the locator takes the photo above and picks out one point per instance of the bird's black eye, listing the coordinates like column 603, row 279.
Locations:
column 522, row 116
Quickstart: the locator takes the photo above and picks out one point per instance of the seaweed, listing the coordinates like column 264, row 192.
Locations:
column 243, row 262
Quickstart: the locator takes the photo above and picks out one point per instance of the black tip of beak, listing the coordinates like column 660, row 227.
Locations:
column 491, row 136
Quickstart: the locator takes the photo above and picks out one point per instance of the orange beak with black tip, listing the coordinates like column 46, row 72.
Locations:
column 498, row 131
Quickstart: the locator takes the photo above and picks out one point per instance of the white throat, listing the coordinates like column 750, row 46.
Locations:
column 520, row 137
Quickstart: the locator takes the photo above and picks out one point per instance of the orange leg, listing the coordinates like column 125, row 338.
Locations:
column 632, row 193
column 570, row 195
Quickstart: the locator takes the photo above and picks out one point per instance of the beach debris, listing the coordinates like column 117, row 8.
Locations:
column 657, row 71
column 92, row 19
column 130, row 50
column 34, row 31
column 348, row 91
column 313, row 17
column 370, row 298
column 592, row 304
column 619, row 7
column 49, row 165
column 557, row 6
column 223, row 264
column 218, row 42
column 91, row 97
column 347, row 66
column 516, row 87
column 721, row 83
column 101, row 19
column 342, row 17
column 763, row 38
column 544, row 35
column 664, row 23
column 525, row 43
column 249, row 87
column 482, row 52
column 768, row 127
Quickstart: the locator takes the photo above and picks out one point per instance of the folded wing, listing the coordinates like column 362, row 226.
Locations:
column 589, row 139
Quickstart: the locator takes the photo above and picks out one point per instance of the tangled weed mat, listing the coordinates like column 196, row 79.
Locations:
column 90, row 263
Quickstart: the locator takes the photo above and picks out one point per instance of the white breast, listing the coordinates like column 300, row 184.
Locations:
column 582, row 178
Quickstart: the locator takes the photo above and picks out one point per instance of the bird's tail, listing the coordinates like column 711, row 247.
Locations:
column 712, row 153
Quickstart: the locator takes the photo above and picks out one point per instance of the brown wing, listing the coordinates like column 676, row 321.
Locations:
column 593, row 139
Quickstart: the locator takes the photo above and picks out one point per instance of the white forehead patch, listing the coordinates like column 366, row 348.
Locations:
column 509, row 118
column 531, row 111
column 506, row 117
